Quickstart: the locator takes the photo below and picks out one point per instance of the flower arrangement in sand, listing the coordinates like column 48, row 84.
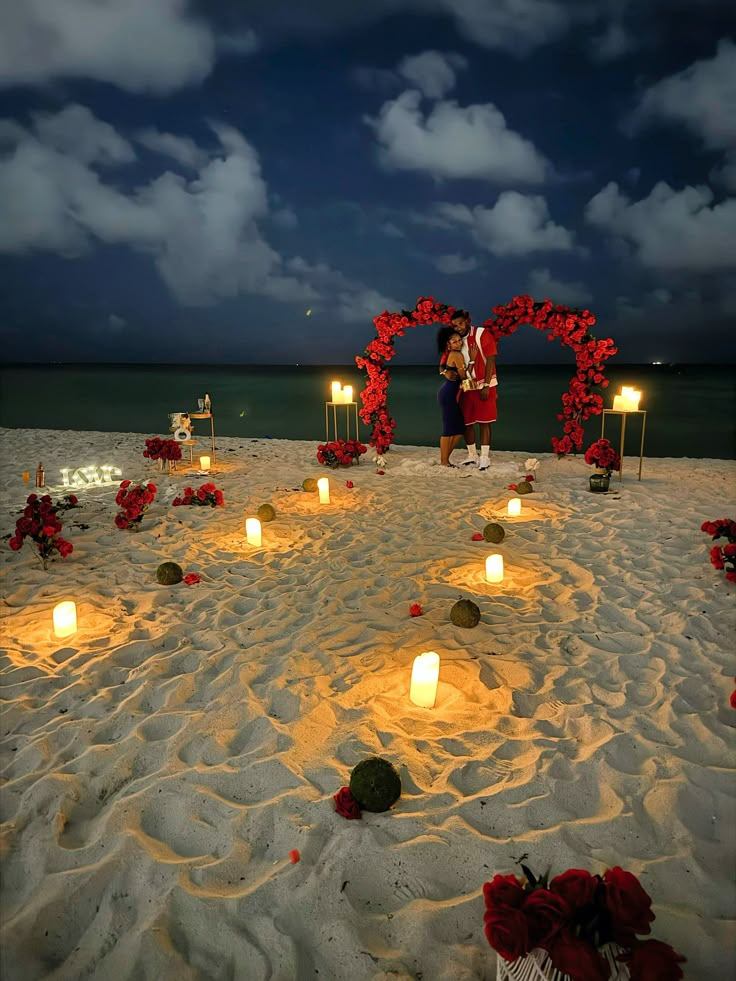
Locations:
column 723, row 556
column 205, row 496
column 340, row 452
column 40, row 522
column 134, row 500
column 162, row 449
column 586, row 927
column 603, row 456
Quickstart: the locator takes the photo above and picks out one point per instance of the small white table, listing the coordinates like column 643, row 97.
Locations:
column 623, row 414
column 347, row 406
column 207, row 415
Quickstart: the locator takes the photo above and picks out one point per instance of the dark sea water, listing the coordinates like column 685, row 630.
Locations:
column 691, row 408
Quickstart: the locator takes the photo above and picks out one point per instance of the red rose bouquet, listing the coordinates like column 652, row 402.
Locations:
column 206, row 495
column 340, row 452
column 162, row 449
column 40, row 522
column 134, row 500
column 584, row 926
column 603, row 456
column 723, row 556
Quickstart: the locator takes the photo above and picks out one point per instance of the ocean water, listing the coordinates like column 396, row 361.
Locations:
column 691, row 408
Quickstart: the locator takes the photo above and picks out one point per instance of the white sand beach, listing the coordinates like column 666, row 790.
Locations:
column 159, row 766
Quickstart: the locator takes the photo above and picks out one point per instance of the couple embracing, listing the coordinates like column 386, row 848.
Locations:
column 468, row 396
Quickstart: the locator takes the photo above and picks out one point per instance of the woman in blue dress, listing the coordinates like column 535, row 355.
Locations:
column 452, row 369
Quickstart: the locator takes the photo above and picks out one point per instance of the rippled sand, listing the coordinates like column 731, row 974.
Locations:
column 159, row 766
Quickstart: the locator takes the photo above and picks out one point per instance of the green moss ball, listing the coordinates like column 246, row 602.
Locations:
column 266, row 512
column 375, row 784
column 310, row 485
column 524, row 487
column 169, row 573
column 494, row 533
column 465, row 614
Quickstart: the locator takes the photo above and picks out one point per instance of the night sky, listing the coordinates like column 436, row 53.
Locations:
column 255, row 181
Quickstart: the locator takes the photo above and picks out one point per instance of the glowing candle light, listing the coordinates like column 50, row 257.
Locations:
column 347, row 394
column 204, row 463
column 494, row 568
column 336, row 392
column 26, row 475
column 65, row 618
column 253, row 531
column 514, row 507
column 425, row 674
column 323, row 486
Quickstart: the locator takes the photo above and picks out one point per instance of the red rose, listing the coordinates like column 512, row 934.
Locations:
column 477, row 537
column 176, row 502
column 576, row 886
column 191, row 577
column 15, row 544
column 415, row 610
column 652, row 960
column 546, row 914
column 506, row 931
column 346, row 805
column 503, row 892
column 529, row 477
column 219, row 497
column 124, row 484
column 380, row 471
column 121, row 521
column 512, row 487
column 73, row 499
column 733, row 693
column 730, row 549
column 349, row 484
column 577, row 958
column 731, row 576
column 629, row 905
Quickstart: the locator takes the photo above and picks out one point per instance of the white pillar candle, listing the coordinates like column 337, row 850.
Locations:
column 514, row 507
column 347, row 394
column 425, row 674
column 323, row 486
column 65, row 618
column 336, row 389
column 204, row 463
column 494, row 568
column 619, row 403
column 65, row 476
column 253, row 531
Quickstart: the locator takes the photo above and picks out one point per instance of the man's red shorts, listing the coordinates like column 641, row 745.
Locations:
column 475, row 410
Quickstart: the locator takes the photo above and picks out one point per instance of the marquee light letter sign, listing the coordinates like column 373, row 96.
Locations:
column 86, row 476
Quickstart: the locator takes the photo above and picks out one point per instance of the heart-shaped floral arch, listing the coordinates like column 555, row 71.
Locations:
column 571, row 327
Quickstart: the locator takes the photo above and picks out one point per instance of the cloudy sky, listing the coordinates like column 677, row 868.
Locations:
column 255, row 180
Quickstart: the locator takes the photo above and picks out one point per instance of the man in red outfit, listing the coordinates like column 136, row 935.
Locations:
column 479, row 404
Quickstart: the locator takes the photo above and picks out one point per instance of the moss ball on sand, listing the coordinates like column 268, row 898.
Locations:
column 375, row 784
column 494, row 533
column 524, row 487
column 169, row 574
column 310, row 485
column 266, row 512
column 465, row 613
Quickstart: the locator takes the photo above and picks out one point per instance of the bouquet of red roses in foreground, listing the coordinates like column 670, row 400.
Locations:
column 206, row 495
column 134, row 499
column 584, row 926
column 162, row 449
column 723, row 556
column 40, row 522
column 603, row 456
column 340, row 452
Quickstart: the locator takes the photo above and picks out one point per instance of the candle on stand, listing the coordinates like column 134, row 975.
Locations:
column 347, row 394
column 514, row 507
column 204, row 463
column 425, row 674
column 253, row 531
column 627, row 401
column 65, row 618
column 323, row 486
column 336, row 392
column 494, row 568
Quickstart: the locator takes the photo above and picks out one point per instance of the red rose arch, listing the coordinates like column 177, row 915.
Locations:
column 571, row 327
